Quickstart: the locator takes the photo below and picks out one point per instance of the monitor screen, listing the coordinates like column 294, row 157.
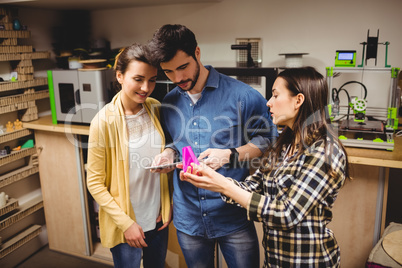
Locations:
column 345, row 56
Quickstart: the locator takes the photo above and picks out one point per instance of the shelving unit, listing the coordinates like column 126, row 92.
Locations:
column 24, row 211
column 67, row 143
column 22, row 218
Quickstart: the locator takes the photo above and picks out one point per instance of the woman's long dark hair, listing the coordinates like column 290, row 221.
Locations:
column 312, row 122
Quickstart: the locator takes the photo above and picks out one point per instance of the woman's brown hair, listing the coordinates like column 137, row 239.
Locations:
column 134, row 52
column 312, row 123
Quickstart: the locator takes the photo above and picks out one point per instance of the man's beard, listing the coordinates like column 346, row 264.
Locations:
column 194, row 80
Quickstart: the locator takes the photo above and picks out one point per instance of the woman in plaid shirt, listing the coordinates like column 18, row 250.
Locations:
column 294, row 190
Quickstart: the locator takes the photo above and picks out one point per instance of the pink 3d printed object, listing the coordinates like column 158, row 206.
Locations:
column 188, row 158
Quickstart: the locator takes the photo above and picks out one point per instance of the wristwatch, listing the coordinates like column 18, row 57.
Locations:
column 234, row 157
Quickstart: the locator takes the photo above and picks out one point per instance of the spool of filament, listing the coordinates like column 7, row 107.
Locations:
column 94, row 64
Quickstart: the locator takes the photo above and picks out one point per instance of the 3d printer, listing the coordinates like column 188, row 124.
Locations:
column 364, row 114
column 368, row 119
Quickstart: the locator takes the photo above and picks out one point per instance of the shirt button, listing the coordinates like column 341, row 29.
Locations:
column 202, row 198
column 195, row 143
column 195, row 123
column 205, row 214
column 191, row 104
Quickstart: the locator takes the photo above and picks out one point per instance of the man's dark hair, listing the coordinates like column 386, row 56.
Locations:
column 170, row 38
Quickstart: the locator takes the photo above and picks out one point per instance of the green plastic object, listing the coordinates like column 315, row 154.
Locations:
column 330, row 112
column 342, row 137
column 394, row 72
column 51, row 97
column 392, row 117
column 28, row 144
column 378, row 140
column 330, row 71
column 364, row 46
column 386, row 55
column 390, row 142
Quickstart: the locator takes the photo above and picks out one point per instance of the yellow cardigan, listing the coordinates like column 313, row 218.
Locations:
column 108, row 170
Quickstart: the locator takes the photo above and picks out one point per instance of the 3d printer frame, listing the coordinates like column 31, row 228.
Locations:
column 363, row 131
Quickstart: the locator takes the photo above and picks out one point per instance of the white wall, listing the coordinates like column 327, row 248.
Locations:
column 317, row 27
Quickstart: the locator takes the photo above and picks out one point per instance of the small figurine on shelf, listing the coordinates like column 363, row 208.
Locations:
column 18, row 148
column 29, row 91
column 3, row 199
column 9, row 127
column 14, row 76
column 16, row 24
column 17, row 124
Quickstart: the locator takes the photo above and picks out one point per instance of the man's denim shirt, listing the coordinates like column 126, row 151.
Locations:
column 229, row 114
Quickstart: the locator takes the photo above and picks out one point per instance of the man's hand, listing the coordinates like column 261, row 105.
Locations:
column 215, row 158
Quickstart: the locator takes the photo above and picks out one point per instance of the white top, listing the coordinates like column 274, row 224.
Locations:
column 194, row 97
column 144, row 144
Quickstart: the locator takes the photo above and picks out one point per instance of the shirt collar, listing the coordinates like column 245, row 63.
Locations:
column 213, row 77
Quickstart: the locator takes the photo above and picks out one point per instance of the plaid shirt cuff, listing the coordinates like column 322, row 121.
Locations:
column 254, row 207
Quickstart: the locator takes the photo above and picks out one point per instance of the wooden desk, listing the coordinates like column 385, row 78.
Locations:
column 358, row 213
column 45, row 123
column 64, row 191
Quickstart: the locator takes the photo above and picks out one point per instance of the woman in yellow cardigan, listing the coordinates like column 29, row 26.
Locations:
column 135, row 204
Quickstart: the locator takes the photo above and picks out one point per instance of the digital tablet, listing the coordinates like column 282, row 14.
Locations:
column 163, row 166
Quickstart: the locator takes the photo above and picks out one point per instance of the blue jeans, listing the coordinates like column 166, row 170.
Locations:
column 154, row 255
column 239, row 249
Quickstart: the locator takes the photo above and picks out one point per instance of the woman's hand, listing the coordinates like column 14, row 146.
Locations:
column 204, row 177
column 166, row 157
column 135, row 236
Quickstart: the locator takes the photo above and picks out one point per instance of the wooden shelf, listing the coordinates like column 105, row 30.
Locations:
column 15, row 49
column 15, row 34
column 23, row 163
column 15, row 155
column 7, row 86
column 25, row 56
column 16, row 134
column 21, row 101
column 18, row 175
column 24, row 211
column 9, row 42
column 19, row 240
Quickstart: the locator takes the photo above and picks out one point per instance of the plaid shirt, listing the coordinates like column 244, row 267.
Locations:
column 294, row 202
